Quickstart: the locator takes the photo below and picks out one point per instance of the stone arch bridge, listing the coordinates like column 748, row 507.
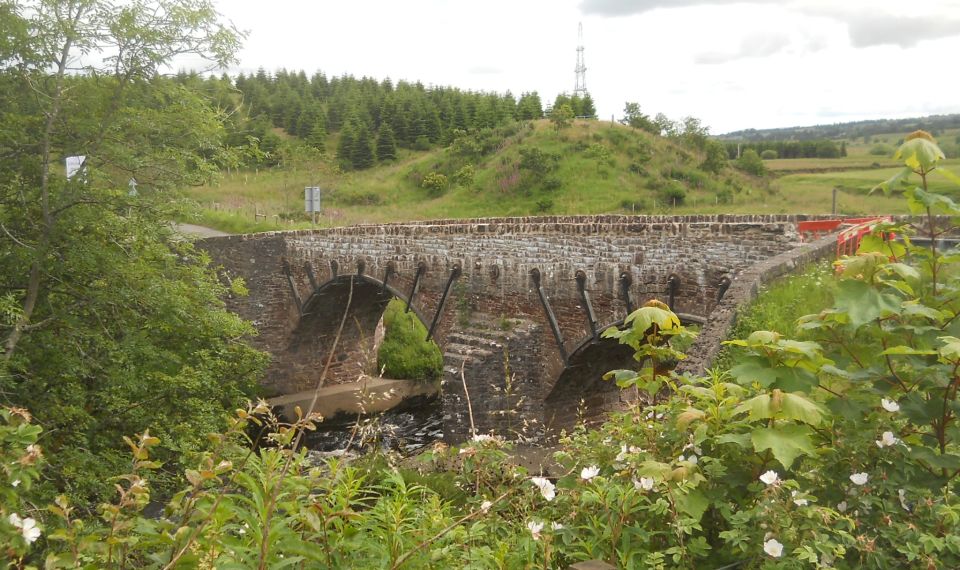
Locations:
column 515, row 304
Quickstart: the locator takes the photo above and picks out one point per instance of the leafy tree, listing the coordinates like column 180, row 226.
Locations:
column 751, row 163
column 664, row 126
column 716, row 157
column 561, row 116
column 386, row 144
column 693, row 133
column 109, row 322
column 529, row 107
column 633, row 117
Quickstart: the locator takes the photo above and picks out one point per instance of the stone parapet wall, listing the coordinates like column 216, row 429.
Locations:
column 742, row 291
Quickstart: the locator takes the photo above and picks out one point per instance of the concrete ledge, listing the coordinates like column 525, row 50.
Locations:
column 367, row 395
column 742, row 291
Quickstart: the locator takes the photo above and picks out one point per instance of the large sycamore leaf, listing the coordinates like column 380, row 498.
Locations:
column 786, row 442
column 693, row 504
column 642, row 318
column 919, row 154
column 920, row 201
column 782, row 405
column 895, row 182
column 862, row 303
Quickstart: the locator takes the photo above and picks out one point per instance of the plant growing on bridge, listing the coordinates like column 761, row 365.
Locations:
column 652, row 332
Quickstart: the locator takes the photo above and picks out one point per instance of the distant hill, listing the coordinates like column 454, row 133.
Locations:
column 522, row 168
column 850, row 131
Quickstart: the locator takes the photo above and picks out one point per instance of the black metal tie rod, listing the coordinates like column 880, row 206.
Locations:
column 587, row 305
column 421, row 269
column 443, row 299
column 551, row 318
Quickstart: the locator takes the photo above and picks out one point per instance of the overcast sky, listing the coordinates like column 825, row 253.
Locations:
column 735, row 65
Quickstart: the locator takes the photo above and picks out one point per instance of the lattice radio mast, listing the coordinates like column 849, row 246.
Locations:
column 581, row 85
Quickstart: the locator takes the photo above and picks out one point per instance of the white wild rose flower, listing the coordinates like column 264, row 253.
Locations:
column 801, row 502
column 589, row 472
column 535, row 528
column 842, row 506
column 773, row 548
column 859, row 478
column 887, row 440
column 547, row 489
column 556, row 526
column 890, row 405
column 485, row 506
column 27, row 527
column 770, row 477
column 644, row 484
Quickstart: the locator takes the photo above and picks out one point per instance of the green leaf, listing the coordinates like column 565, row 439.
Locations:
column 950, row 351
column 920, row 410
column 919, row 154
column 623, row 378
column 754, row 369
column 786, row 442
column 894, row 182
column 948, row 175
column 916, row 309
column 693, row 503
column 654, row 469
column 875, row 243
column 644, row 317
column 862, row 303
column 741, row 439
column 902, row 350
column 934, row 459
column 920, row 200
column 792, row 379
column 763, row 337
column 782, row 405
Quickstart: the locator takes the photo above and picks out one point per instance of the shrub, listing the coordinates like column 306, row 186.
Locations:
column 544, row 205
column 464, row 177
column 552, row 184
column 751, row 163
column 881, row 149
column 769, row 154
column 673, row 193
column 435, row 183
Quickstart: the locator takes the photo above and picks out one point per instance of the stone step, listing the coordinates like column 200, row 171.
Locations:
column 496, row 335
column 470, row 339
column 472, row 351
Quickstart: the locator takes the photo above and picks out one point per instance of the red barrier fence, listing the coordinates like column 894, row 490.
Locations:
column 848, row 240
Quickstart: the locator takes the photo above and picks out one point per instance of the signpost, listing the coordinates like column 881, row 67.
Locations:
column 74, row 164
column 311, row 199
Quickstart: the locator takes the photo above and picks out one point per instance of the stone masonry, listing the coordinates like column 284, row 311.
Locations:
column 519, row 271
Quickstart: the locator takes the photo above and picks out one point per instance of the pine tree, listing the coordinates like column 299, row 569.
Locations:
column 318, row 134
column 346, row 144
column 386, row 144
column 361, row 155
column 587, row 108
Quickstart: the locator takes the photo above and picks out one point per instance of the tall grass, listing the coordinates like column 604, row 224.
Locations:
column 780, row 304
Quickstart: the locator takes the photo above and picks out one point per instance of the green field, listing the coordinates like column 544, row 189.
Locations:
column 601, row 168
